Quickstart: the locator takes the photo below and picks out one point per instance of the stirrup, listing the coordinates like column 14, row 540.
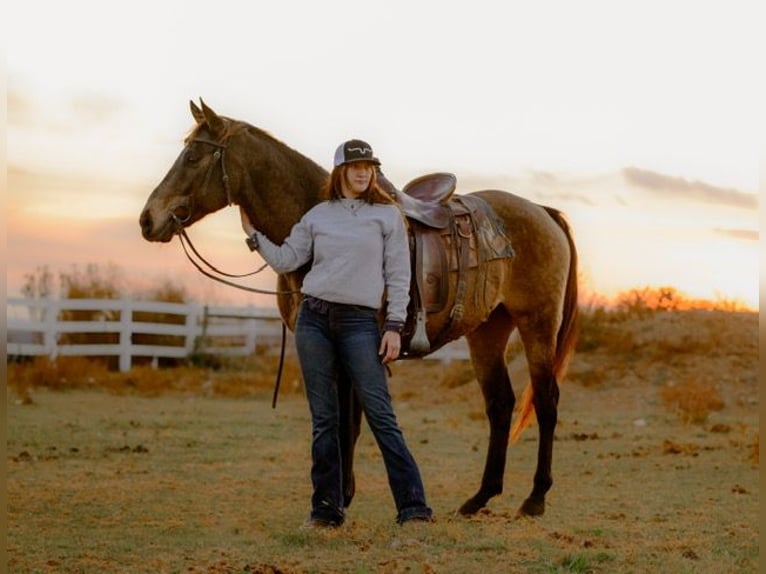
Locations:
column 419, row 343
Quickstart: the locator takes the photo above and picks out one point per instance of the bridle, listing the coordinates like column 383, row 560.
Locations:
column 211, row 270
column 188, row 246
column 219, row 153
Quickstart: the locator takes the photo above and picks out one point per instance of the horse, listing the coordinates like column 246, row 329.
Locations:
column 227, row 162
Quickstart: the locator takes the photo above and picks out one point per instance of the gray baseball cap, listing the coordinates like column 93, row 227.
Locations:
column 354, row 150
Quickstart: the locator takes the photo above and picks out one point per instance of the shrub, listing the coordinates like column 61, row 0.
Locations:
column 603, row 322
column 693, row 400
column 61, row 373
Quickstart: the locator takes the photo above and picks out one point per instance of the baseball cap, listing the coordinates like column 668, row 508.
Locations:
column 354, row 150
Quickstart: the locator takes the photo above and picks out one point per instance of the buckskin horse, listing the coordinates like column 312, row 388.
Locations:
column 229, row 162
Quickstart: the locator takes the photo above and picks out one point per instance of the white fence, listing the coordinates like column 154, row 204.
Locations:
column 41, row 327
column 46, row 327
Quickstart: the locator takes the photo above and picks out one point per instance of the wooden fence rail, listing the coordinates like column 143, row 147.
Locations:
column 56, row 327
column 174, row 330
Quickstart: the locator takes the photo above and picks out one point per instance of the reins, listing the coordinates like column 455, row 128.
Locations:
column 188, row 247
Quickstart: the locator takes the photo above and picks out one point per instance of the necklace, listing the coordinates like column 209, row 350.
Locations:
column 352, row 205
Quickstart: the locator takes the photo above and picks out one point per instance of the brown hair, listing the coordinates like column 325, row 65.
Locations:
column 333, row 188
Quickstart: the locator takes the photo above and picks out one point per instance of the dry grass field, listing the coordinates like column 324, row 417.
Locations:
column 187, row 470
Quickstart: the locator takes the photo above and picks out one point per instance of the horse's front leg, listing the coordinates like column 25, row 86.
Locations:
column 350, row 427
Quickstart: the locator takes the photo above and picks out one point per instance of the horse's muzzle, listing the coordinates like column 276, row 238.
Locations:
column 145, row 221
column 151, row 233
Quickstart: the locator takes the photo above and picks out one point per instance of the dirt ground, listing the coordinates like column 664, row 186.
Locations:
column 656, row 467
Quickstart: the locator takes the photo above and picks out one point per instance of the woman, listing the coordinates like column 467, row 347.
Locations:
column 357, row 243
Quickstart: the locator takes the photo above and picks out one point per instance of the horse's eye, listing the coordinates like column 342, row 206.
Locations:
column 191, row 157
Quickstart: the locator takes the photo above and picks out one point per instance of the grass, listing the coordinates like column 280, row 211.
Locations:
column 191, row 470
column 220, row 485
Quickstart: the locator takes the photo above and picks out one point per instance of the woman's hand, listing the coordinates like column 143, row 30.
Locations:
column 390, row 346
column 246, row 225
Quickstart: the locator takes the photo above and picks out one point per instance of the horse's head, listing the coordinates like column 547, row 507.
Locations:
column 197, row 183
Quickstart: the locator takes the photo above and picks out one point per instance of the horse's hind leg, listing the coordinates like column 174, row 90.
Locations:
column 487, row 345
column 540, row 346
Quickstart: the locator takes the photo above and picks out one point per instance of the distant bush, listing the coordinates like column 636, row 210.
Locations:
column 645, row 301
column 640, row 302
column 61, row 373
column 166, row 291
column 95, row 281
column 602, row 321
column 693, row 400
column 597, row 328
column 238, row 376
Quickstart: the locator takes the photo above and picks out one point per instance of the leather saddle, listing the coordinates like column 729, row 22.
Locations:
column 448, row 234
column 424, row 199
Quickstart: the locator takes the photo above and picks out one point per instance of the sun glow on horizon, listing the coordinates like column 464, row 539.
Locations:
column 647, row 145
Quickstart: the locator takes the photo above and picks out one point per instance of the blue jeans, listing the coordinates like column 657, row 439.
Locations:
column 345, row 338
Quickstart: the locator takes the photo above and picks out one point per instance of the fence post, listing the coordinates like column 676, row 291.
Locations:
column 50, row 333
column 193, row 337
column 250, row 338
column 126, row 338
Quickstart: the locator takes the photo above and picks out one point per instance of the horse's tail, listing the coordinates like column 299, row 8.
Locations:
column 566, row 338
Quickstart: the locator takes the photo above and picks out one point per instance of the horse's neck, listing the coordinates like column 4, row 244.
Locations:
column 280, row 189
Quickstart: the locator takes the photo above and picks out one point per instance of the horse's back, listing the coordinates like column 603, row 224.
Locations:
column 542, row 251
column 517, row 211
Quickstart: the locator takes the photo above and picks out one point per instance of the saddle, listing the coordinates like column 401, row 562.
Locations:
column 448, row 234
column 423, row 199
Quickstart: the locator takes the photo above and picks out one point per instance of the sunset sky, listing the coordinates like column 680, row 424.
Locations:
column 641, row 120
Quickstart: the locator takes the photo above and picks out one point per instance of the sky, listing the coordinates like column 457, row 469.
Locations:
column 642, row 121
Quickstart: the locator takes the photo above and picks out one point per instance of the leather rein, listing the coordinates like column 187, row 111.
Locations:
column 212, row 271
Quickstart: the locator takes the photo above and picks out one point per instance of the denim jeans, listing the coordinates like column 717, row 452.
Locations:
column 345, row 338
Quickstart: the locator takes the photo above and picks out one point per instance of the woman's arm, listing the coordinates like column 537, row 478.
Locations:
column 295, row 251
column 396, row 269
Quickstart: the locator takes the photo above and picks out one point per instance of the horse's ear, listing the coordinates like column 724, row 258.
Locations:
column 214, row 122
column 196, row 112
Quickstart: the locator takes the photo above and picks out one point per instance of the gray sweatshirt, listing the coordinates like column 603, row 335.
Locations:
column 358, row 249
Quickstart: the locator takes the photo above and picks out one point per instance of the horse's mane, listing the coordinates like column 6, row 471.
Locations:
column 279, row 150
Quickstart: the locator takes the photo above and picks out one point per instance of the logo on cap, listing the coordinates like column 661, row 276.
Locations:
column 361, row 150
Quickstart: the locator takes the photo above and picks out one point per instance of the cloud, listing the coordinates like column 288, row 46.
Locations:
column 747, row 234
column 565, row 197
column 591, row 190
column 679, row 188
column 552, row 188
column 68, row 115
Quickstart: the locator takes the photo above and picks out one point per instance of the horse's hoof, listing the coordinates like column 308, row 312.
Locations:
column 471, row 507
column 531, row 508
